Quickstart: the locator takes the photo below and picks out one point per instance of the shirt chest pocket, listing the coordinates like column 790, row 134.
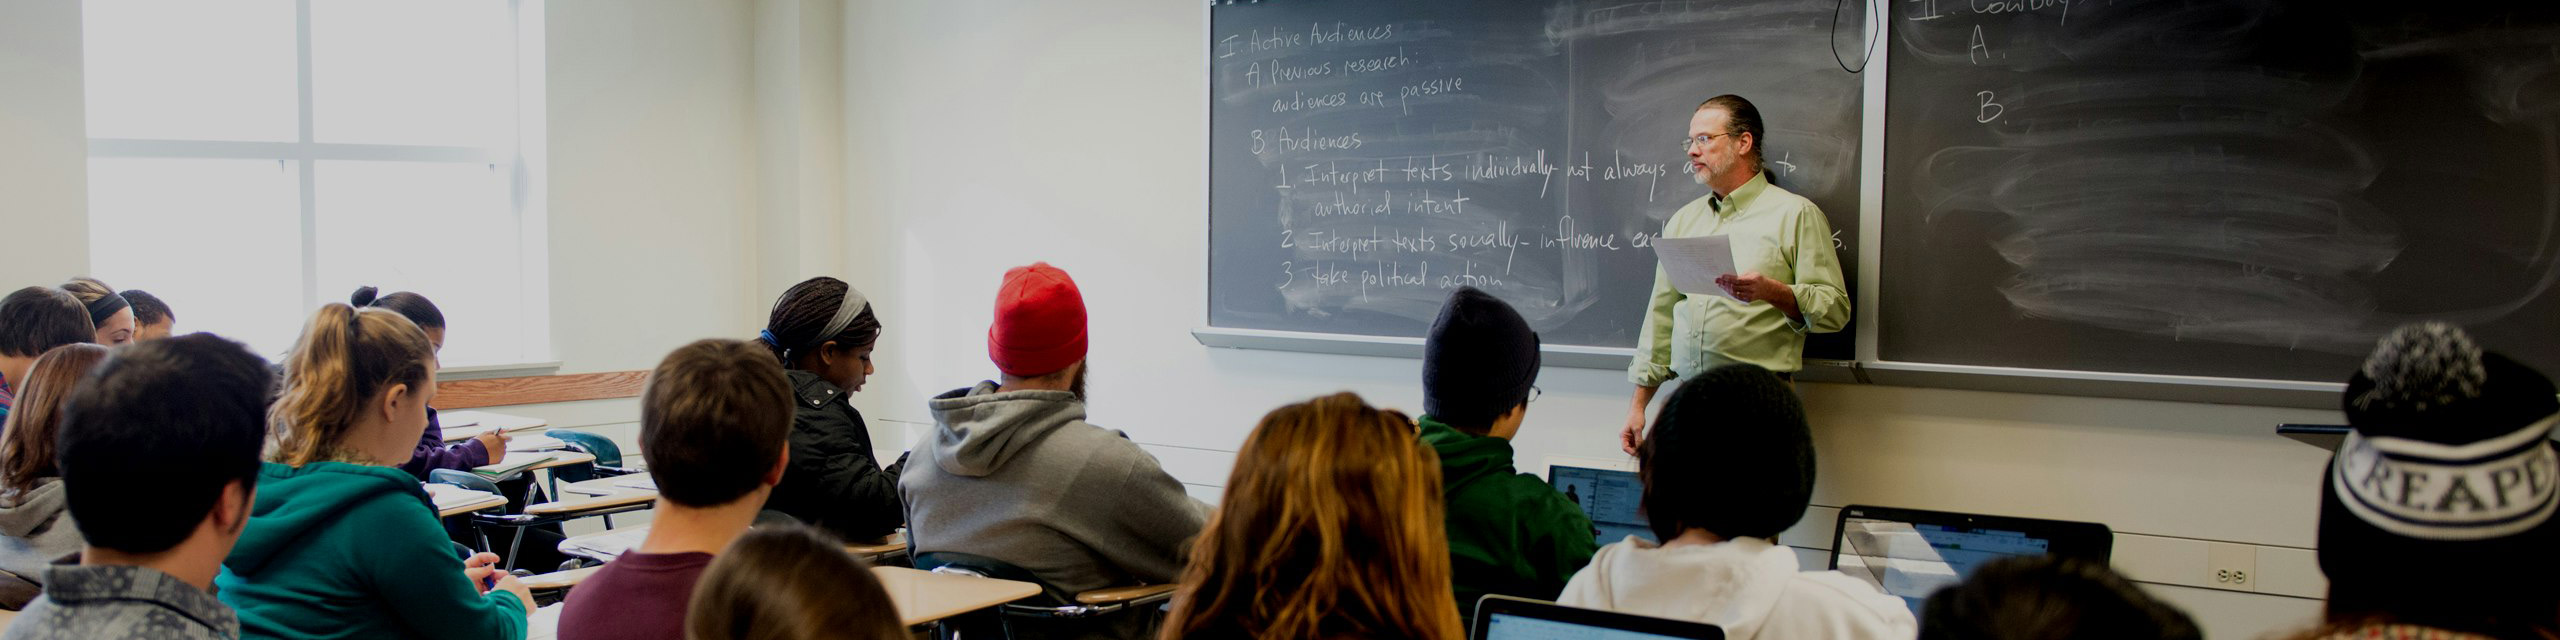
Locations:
column 1762, row 253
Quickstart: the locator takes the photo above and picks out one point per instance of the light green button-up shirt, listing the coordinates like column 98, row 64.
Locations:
column 1779, row 234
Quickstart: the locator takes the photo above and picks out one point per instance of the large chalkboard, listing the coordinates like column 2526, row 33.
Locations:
column 1368, row 156
column 2232, row 188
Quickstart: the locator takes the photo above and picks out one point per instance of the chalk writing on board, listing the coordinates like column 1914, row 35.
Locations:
column 1368, row 156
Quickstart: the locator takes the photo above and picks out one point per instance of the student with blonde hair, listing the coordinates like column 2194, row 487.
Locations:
column 341, row 543
column 1330, row 528
column 790, row 582
column 32, row 506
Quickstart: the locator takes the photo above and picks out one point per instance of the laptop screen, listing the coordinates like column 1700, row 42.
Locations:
column 1509, row 618
column 1911, row 554
column 1507, row 626
column 1612, row 499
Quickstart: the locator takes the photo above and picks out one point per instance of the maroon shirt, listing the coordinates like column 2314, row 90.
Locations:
column 638, row 596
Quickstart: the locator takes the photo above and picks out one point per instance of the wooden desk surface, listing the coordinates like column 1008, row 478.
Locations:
column 873, row 550
column 481, row 421
column 582, row 542
column 560, row 579
column 491, row 503
column 573, row 501
column 558, row 459
column 920, row 596
column 925, row 596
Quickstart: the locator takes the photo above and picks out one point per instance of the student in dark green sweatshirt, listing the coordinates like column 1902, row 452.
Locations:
column 1509, row 532
column 341, row 543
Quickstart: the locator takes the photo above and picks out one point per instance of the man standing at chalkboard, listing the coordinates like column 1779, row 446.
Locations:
column 1789, row 282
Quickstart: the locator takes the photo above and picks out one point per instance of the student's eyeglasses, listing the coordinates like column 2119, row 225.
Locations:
column 1700, row 141
column 1533, row 395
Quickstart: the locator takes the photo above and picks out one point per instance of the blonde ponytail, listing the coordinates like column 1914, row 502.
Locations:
column 344, row 358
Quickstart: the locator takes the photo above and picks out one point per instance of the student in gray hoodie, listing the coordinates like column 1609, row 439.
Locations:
column 1013, row 472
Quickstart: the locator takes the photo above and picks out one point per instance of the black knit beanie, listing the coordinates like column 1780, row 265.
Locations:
column 1729, row 453
column 1479, row 360
column 2443, row 494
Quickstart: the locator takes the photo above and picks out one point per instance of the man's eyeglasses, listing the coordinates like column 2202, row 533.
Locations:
column 1702, row 140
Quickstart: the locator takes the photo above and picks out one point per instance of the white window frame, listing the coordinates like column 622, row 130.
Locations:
column 525, row 166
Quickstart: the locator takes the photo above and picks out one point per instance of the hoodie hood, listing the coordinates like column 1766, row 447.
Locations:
column 1732, row 584
column 1466, row 458
column 978, row 429
column 24, row 514
column 294, row 502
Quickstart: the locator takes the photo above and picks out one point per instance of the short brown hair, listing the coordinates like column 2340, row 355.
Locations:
column 789, row 582
column 713, row 421
column 1742, row 117
column 34, row 424
column 34, row 320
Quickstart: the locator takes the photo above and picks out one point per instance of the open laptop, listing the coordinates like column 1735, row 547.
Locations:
column 1508, row 618
column 1911, row 553
column 1611, row 497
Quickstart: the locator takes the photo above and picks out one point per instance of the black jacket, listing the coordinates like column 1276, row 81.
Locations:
column 834, row 482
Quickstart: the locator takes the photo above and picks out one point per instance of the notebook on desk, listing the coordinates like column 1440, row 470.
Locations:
column 511, row 465
column 536, row 443
column 448, row 496
column 605, row 546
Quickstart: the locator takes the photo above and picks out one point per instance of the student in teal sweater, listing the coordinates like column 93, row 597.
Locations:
column 1509, row 532
column 341, row 543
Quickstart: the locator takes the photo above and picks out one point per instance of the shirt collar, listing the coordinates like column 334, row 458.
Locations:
column 813, row 390
column 74, row 585
column 1741, row 195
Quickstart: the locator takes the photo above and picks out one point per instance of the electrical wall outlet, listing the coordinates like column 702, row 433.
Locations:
column 2230, row 566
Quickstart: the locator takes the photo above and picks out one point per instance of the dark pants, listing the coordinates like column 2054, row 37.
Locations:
column 540, row 550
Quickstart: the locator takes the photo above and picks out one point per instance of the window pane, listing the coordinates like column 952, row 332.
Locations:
column 444, row 230
column 219, row 240
column 439, row 73
column 190, row 70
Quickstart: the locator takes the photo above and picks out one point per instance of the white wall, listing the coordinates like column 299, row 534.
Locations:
column 983, row 135
column 653, row 165
column 799, row 88
column 44, row 145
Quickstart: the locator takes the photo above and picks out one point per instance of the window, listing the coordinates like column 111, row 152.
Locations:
column 252, row 159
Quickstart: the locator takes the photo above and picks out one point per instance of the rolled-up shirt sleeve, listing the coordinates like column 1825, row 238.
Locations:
column 1822, row 294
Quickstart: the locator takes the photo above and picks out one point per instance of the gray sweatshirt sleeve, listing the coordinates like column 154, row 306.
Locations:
column 1157, row 521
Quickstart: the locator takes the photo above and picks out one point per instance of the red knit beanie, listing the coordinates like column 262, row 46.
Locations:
column 1039, row 327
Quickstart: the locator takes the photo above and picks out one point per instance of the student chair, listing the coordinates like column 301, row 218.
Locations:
column 608, row 461
column 1052, row 604
column 466, row 480
column 479, row 522
column 608, row 457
